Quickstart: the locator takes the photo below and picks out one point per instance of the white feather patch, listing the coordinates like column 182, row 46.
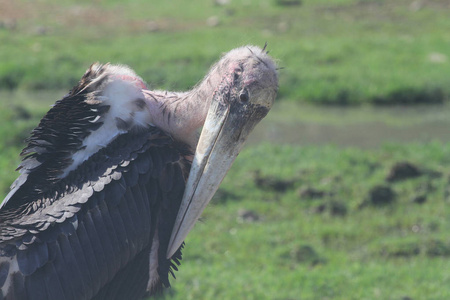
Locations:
column 120, row 95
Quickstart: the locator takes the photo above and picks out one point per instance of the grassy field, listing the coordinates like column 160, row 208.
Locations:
column 289, row 221
column 340, row 52
column 308, row 227
column 305, row 222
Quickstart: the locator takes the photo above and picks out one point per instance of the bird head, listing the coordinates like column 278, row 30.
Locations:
column 248, row 84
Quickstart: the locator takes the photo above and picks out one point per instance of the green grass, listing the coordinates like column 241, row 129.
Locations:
column 295, row 252
column 300, row 247
column 334, row 52
column 341, row 52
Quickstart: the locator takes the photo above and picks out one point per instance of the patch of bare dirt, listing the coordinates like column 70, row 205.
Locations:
column 310, row 193
column 403, row 171
column 380, row 10
column 334, row 208
column 379, row 196
column 37, row 17
column 272, row 183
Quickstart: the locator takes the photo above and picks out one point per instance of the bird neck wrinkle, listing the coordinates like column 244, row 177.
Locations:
column 177, row 114
column 181, row 114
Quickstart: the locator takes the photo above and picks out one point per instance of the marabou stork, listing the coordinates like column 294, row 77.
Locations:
column 107, row 192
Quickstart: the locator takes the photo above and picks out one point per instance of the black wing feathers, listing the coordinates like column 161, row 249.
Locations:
column 37, row 286
column 83, row 262
column 92, row 264
column 90, row 236
column 135, row 274
column 167, row 220
column 34, row 257
column 59, row 134
column 52, row 282
column 4, row 269
column 17, row 288
column 65, row 268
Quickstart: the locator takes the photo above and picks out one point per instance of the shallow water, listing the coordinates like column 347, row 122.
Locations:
column 303, row 124
column 363, row 127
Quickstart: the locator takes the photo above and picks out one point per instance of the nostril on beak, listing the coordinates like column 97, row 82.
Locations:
column 243, row 96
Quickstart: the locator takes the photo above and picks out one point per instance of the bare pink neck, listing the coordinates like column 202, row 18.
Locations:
column 181, row 113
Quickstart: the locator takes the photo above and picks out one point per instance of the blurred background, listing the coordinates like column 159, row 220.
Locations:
column 342, row 192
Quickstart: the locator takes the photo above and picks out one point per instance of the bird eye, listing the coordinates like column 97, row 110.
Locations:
column 237, row 74
column 243, row 97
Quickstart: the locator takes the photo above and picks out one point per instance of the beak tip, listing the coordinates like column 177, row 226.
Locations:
column 180, row 232
column 172, row 247
column 170, row 252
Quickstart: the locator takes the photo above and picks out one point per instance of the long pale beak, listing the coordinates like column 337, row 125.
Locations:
column 226, row 128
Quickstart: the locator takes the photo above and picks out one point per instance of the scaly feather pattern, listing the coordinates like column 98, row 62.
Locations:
column 93, row 230
column 97, row 184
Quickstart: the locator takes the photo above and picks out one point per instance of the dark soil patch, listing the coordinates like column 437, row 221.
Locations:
column 408, row 250
column 431, row 248
column 310, row 193
column 21, row 113
column 337, row 208
column 223, row 196
column 334, row 208
column 419, row 199
column 272, row 183
column 403, row 171
column 306, row 255
column 436, row 248
column 379, row 196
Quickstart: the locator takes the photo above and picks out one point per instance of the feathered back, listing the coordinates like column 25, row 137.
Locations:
column 59, row 134
column 63, row 131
